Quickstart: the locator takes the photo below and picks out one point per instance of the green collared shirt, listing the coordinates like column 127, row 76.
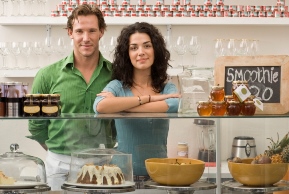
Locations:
column 65, row 136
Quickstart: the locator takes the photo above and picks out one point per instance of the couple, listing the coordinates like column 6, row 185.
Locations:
column 136, row 81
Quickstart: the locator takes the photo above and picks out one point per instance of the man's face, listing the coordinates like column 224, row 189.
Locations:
column 86, row 35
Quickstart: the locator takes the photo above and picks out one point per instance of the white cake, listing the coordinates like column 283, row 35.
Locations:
column 100, row 175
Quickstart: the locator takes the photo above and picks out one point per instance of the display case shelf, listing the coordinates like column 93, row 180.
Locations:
column 156, row 21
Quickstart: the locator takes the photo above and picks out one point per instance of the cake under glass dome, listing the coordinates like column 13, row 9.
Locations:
column 100, row 157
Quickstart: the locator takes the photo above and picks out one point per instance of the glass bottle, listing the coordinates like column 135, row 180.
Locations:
column 204, row 108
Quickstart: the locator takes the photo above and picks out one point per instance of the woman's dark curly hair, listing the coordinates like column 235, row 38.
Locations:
column 85, row 10
column 122, row 66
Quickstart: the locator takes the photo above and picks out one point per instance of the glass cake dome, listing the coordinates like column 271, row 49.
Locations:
column 24, row 170
column 100, row 157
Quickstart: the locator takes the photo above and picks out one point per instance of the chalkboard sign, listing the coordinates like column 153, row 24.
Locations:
column 264, row 81
column 267, row 76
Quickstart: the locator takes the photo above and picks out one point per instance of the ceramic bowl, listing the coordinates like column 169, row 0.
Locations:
column 257, row 174
column 175, row 171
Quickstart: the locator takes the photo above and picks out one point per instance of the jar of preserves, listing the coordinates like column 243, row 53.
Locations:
column 218, row 108
column 183, row 149
column 233, row 108
column 228, row 98
column 204, row 108
column 51, row 105
column 31, row 107
column 248, row 108
column 235, row 85
column 217, row 93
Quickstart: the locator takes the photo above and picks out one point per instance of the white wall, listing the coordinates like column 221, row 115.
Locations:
column 272, row 40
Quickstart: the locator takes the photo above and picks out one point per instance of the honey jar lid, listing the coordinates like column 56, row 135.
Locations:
column 217, row 87
column 203, row 102
column 249, row 102
column 233, row 102
column 218, row 102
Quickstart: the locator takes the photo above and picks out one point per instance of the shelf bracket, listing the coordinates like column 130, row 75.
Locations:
column 169, row 30
column 48, row 33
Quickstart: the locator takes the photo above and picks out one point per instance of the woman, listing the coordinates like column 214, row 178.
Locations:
column 140, row 84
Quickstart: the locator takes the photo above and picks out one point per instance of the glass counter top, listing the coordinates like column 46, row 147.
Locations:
column 143, row 116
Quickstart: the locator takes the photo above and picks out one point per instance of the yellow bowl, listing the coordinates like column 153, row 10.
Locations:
column 175, row 171
column 257, row 174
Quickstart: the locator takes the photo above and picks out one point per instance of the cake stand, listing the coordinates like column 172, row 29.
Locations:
column 98, row 190
column 37, row 189
column 236, row 186
column 200, row 185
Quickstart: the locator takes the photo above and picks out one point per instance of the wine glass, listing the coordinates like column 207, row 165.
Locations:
column 27, row 7
column 219, row 49
column 254, row 48
column 180, row 48
column 103, row 47
column 4, row 51
column 112, row 44
column 243, row 47
column 38, row 50
column 194, row 49
column 60, row 46
column 15, row 7
column 4, row 8
column 231, row 49
column 26, row 49
column 15, row 50
column 48, row 48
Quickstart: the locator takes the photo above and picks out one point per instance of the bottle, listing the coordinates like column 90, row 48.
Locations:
column 183, row 150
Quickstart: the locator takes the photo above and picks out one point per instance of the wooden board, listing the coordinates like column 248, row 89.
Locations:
column 265, row 74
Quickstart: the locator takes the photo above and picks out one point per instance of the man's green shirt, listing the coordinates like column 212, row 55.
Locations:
column 63, row 136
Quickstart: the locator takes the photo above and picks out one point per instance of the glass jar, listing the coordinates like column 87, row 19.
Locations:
column 204, row 108
column 233, row 108
column 31, row 107
column 50, row 105
column 218, row 108
column 248, row 108
column 182, row 150
column 235, row 85
column 217, row 93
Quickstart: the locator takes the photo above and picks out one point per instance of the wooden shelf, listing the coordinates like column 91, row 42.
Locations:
column 156, row 21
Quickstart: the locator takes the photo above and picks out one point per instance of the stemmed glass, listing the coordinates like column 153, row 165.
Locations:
column 15, row 50
column 15, row 7
column 219, row 49
column 48, row 48
column 42, row 4
column 60, row 47
column 102, row 46
column 254, row 48
column 38, row 50
column 27, row 7
column 180, row 48
column 4, row 51
column 112, row 44
column 4, row 8
column 231, row 49
column 243, row 47
column 194, row 49
column 26, row 49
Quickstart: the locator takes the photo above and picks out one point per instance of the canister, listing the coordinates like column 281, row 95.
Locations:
column 243, row 147
column 14, row 98
column 31, row 106
column 183, row 149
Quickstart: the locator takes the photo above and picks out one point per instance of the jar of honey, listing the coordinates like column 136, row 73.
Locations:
column 217, row 93
column 233, row 108
column 31, row 106
column 248, row 108
column 204, row 108
column 50, row 105
column 235, row 85
column 218, row 108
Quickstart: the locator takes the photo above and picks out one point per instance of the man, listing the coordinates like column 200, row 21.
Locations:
column 77, row 78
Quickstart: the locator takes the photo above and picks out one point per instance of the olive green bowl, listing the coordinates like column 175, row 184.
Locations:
column 175, row 171
column 257, row 174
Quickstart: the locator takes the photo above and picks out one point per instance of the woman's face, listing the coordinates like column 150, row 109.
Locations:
column 141, row 51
